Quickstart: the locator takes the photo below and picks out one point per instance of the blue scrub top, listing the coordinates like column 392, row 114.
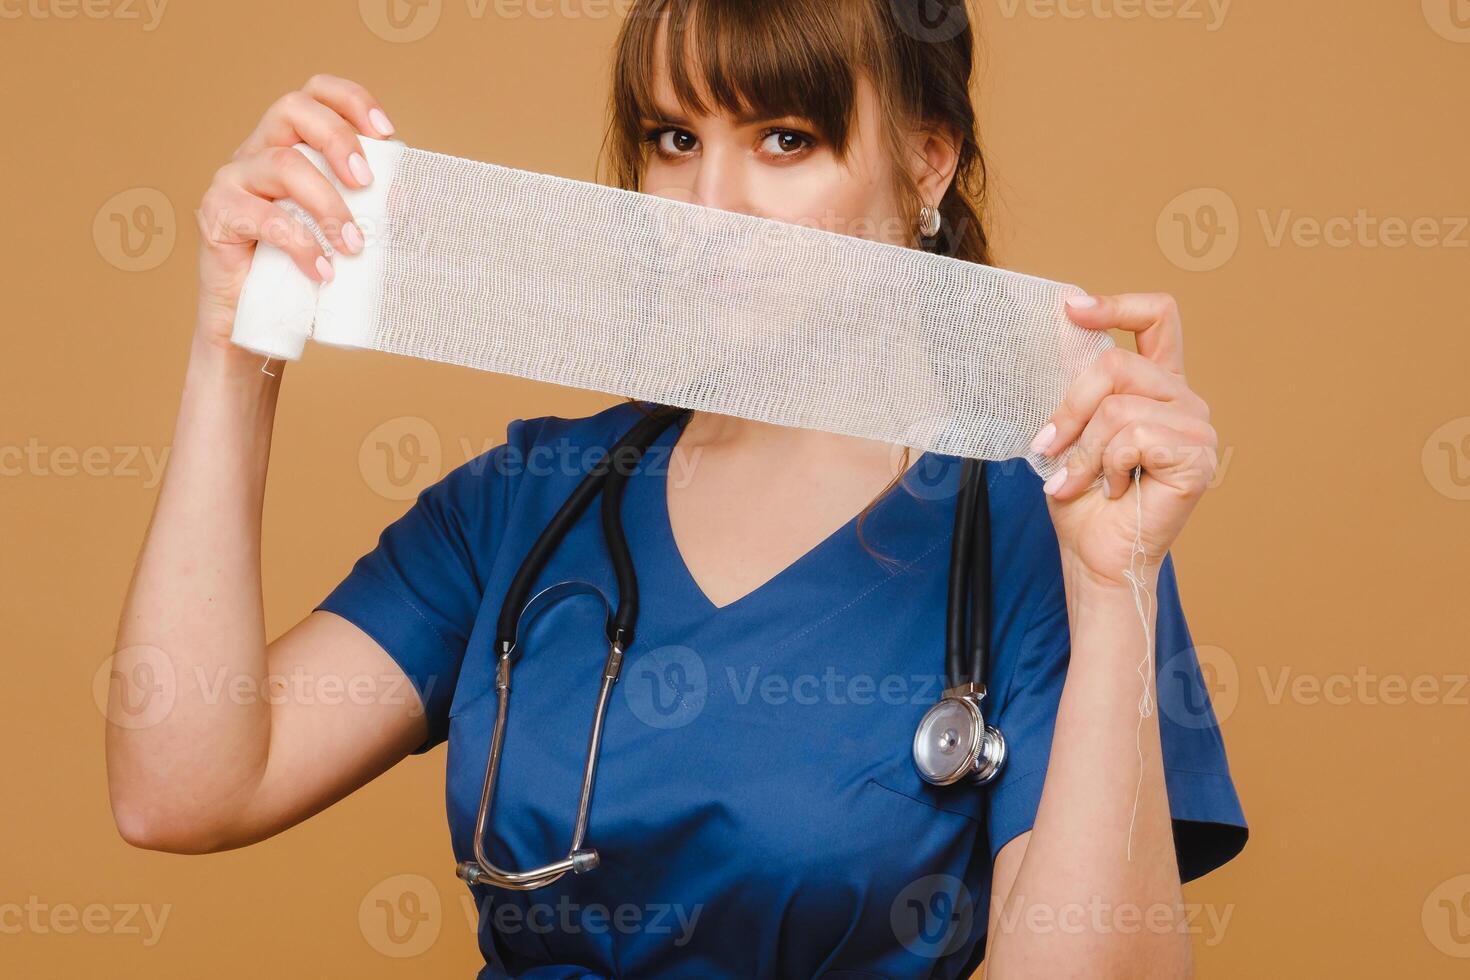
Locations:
column 757, row 811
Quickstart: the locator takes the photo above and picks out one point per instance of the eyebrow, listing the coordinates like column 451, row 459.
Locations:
column 743, row 118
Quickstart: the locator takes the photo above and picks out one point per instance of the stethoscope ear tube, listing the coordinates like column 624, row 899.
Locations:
column 620, row 633
column 635, row 441
column 482, row 870
column 610, row 476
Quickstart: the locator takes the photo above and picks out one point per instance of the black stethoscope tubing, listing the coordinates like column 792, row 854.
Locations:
column 967, row 614
column 952, row 742
column 610, row 476
column 969, row 572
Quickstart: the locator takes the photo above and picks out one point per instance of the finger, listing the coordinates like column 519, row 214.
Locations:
column 229, row 215
column 1152, row 317
column 346, row 99
column 283, row 171
column 1174, row 458
column 1116, row 372
column 1088, row 457
column 352, row 102
column 277, row 126
column 305, row 120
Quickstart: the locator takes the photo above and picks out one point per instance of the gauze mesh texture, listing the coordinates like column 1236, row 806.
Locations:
column 633, row 294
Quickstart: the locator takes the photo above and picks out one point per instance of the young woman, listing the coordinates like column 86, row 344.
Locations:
column 757, row 809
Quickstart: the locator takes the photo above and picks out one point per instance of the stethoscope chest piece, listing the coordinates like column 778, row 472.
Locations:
column 954, row 743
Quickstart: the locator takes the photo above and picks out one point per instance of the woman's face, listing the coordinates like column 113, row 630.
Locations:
column 775, row 168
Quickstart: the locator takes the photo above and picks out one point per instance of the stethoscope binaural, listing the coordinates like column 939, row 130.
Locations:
column 952, row 742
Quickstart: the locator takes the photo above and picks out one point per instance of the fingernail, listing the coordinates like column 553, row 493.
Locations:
column 1055, row 483
column 1043, row 438
column 324, row 268
column 352, row 238
column 360, row 169
column 1082, row 302
column 380, row 122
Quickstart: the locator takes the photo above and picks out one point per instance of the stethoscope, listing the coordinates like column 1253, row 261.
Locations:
column 952, row 742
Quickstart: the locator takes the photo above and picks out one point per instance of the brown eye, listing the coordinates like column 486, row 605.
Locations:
column 671, row 142
column 785, row 142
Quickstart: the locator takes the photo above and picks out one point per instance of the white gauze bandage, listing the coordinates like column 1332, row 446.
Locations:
column 632, row 294
column 596, row 287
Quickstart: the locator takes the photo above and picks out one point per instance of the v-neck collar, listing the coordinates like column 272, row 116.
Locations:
column 680, row 571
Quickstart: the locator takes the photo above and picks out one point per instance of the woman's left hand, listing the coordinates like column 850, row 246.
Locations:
column 1127, row 409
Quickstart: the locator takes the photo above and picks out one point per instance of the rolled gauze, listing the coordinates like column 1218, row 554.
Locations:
column 617, row 291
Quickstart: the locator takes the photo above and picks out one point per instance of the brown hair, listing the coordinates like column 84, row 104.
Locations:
column 803, row 58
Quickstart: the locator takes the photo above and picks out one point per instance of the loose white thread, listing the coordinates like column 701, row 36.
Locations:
column 1140, row 593
column 266, row 365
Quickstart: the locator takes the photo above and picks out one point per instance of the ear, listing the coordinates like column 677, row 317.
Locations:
column 935, row 153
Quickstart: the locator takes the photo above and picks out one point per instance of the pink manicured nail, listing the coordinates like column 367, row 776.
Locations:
column 380, row 122
column 352, row 238
column 324, row 268
column 1043, row 438
column 1082, row 302
column 1055, row 483
column 358, row 164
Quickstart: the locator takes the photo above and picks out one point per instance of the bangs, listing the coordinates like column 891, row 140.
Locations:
column 773, row 58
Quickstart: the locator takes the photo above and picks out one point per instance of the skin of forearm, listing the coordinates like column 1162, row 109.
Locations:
column 193, row 619
column 1079, row 905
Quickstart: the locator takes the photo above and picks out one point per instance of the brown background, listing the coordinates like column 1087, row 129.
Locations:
column 1332, row 550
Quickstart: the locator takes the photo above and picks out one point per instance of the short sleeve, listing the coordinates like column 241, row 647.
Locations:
column 1209, row 825
column 418, row 592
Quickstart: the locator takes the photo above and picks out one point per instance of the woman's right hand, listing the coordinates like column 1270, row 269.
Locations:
column 238, row 208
